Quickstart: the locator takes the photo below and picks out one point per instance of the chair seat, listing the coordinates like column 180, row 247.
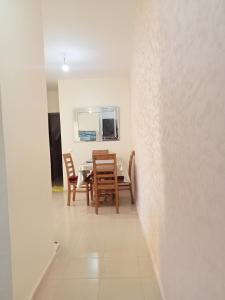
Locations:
column 73, row 179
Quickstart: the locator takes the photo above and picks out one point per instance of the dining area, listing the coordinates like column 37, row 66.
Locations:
column 102, row 250
column 102, row 178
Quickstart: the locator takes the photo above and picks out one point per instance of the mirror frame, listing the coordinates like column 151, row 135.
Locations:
column 99, row 110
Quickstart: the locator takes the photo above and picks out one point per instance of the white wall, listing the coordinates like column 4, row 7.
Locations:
column 94, row 92
column 24, row 116
column 53, row 101
column 178, row 118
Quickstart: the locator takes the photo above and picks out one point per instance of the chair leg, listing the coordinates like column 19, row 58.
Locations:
column 87, row 193
column 74, row 192
column 91, row 188
column 68, row 197
column 131, row 195
column 96, row 202
column 117, row 200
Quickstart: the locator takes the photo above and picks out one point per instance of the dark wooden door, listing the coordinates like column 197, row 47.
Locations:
column 55, row 148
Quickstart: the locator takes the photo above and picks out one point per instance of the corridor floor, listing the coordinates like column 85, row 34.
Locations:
column 100, row 257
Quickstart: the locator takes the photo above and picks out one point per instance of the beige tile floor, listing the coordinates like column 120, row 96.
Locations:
column 100, row 257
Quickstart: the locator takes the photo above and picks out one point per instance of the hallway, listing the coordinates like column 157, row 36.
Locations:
column 100, row 257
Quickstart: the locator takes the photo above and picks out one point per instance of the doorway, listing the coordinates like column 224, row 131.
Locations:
column 55, row 149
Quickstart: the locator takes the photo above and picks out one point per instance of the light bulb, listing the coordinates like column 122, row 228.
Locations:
column 65, row 68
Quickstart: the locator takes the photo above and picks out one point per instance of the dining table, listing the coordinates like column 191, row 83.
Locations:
column 86, row 167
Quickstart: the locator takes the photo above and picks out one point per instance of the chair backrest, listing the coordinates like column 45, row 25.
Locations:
column 131, row 160
column 95, row 152
column 70, row 171
column 105, row 172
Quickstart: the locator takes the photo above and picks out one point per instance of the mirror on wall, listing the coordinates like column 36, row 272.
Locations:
column 96, row 124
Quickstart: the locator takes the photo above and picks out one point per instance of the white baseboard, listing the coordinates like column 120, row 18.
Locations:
column 33, row 292
column 158, row 278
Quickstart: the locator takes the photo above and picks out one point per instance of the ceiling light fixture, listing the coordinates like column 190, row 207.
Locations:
column 65, row 66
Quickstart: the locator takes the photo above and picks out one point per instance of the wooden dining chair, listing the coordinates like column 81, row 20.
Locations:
column 95, row 152
column 105, row 178
column 128, row 185
column 72, row 179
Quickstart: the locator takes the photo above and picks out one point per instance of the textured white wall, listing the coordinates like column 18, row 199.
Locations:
column 178, row 118
column 25, row 129
column 111, row 91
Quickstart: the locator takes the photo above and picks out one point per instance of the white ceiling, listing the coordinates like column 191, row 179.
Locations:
column 95, row 36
